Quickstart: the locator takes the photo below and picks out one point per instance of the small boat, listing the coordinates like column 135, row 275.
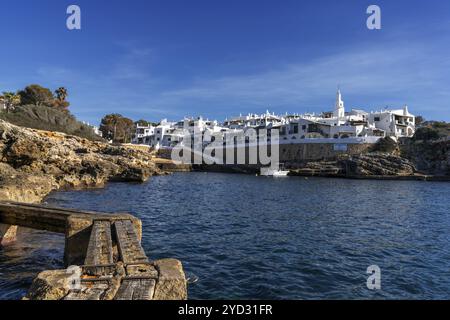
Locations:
column 273, row 172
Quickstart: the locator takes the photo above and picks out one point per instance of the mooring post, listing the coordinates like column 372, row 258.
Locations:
column 8, row 234
column 78, row 232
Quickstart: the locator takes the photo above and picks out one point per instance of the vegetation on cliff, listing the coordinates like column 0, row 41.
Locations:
column 117, row 128
column 432, row 130
column 38, row 108
column 429, row 156
column 50, row 119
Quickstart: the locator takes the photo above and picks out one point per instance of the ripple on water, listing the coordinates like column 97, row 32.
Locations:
column 250, row 237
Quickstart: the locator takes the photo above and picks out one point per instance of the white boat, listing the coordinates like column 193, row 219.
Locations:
column 273, row 172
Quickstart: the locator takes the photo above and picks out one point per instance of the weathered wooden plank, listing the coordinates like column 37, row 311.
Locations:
column 42, row 217
column 146, row 270
column 136, row 289
column 130, row 249
column 100, row 249
column 33, row 217
column 90, row 290
column 99, row 270
column 67, row 211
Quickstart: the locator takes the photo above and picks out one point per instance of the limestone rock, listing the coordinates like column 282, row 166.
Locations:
column 50, row 285
column 430, row 157
column 363, row 165
column 34, row 162
column 171, row 284
column 378, row 164
column 7, row 234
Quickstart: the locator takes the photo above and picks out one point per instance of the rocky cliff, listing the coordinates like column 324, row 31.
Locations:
column 430, row 157
column 427, row 160
column 364, row 165
column 34, row 162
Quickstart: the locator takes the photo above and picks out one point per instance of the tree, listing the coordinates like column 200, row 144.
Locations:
column 61, row 95
column 10, row 100
column 419, row 120
column 426, row 134
column 117, row 128
column 144, row 123
column 37, row 95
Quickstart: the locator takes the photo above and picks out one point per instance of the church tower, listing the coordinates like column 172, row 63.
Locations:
column 339, row 111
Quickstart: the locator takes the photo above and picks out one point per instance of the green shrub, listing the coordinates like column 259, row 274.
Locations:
column 426, row 133
column 386, row 144
column 49, row 118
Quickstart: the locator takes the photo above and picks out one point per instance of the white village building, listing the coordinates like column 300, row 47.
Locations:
column 142, row 134
column 169, row 134
column 339, row 124
column 355, row 126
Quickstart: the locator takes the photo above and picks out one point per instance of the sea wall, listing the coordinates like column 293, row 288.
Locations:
column 289, row 154
column 295, row 153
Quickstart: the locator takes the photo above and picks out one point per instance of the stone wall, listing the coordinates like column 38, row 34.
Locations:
column 292, row 153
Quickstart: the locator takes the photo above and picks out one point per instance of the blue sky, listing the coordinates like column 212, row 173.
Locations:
column 158, row 59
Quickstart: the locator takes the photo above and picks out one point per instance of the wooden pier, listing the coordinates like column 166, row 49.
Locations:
column 105, row 249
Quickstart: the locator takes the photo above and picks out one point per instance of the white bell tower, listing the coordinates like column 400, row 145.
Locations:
column 339, row 110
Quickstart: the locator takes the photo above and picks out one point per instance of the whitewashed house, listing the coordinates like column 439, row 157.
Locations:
column 339, row 124
column 395, row 123
column 355, row 126
column 142, row 134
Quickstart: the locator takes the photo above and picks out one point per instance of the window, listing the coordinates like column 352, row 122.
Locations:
column 377, row 119
column 313, row 128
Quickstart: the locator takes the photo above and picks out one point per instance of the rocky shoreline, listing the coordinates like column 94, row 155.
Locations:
column 407, row 160
column 33, row 163
column 370, row 165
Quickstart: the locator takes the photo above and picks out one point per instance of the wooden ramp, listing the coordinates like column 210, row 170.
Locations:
column 112, row 243
column 100, row 263
column 128, row 243
column 100, row 249
column 136, row 289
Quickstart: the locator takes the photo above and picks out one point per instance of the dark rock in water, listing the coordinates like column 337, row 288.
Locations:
column 366, row 165
column 377, row 164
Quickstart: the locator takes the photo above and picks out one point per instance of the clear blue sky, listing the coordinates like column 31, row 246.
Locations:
column 217, row 58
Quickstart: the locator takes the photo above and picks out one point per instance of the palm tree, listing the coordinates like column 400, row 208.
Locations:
column 61, row 94
column 10, row 100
